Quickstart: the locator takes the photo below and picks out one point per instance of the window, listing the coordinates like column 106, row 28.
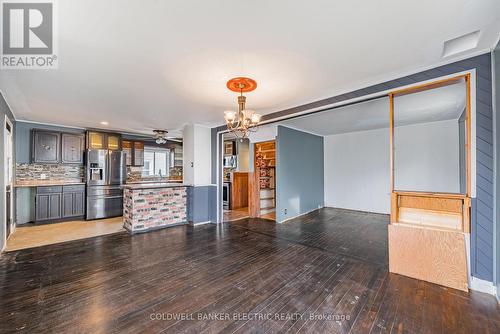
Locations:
column 156, row 161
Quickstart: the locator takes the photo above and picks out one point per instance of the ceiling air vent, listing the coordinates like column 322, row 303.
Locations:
column 460, row 44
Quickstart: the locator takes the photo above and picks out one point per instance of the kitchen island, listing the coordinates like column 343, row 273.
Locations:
column 150, row 206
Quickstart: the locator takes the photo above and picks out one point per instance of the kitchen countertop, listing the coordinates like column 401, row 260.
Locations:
column 42, row 183
column 153, row 181
column 139, row 186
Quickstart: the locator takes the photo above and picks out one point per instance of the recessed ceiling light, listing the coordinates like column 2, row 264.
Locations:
column 104, row 123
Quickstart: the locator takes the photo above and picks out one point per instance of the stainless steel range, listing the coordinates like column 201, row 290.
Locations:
column 106, row 173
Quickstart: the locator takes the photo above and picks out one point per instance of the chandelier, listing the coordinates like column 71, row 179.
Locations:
column 244, row 121
column 160, row 136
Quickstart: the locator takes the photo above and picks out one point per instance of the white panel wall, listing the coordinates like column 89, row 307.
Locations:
column 188, row 154
column 243, row 155
column 264, row 132
column 426, row 157
column 357, row 171
column 197, row 154
column 357, row 164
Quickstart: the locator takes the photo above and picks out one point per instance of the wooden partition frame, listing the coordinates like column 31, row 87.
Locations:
column 447, row 200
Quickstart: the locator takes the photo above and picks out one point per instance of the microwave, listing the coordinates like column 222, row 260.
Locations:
column 230, row 161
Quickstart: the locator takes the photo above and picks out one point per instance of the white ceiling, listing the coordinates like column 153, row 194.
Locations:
column 439, row 104
column 149, row 64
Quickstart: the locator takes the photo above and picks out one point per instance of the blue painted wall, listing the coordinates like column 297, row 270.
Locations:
column 299, row 173
column 202, row 206
column 496, row 94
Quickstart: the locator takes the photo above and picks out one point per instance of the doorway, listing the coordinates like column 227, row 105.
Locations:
column 8, row 168
column 262, row 202
column 235, row 164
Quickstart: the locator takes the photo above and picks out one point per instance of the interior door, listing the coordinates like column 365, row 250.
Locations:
column 8, row 169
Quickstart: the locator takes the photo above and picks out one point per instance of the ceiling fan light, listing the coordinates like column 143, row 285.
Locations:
column 161, row 136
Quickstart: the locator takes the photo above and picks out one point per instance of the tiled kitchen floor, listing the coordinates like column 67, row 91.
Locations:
column 33, row 235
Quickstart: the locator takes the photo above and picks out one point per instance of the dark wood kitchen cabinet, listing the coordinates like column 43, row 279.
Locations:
column 113, row 142
column 46, row 146
column 134, row 152
column 138, row 153
column 48, row 203
column 102, row 140
column 52, row 147
column 96, row 140
column 127, row 149
column 73, row 201
column 59, row 202
column 72, row 146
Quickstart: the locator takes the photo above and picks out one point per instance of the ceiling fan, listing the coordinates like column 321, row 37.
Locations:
column 160, row 136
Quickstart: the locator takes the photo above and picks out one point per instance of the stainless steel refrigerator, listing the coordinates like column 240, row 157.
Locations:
column 106, row 172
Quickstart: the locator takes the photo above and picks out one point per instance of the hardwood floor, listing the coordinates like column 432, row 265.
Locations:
column 354, row 233
column 248, row 276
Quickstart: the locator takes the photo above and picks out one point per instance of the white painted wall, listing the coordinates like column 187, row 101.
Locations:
column 426, row 157
column 357, row 165
column 264, row 132
column 197, row 154
column 243, row 155
column 357, row 171
column 188, row 154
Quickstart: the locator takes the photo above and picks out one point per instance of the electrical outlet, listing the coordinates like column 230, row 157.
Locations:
column 285, row 211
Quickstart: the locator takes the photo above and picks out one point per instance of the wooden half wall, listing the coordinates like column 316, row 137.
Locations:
column 428, row 231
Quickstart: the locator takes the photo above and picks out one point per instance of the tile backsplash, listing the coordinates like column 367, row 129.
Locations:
column 27, row 172
column 134, row 174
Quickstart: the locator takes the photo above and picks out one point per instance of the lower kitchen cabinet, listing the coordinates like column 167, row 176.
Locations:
column 48, row 207
column 73, row 204
column 59, row 202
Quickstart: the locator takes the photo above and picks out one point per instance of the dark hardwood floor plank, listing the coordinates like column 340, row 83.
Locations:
column 328, row 262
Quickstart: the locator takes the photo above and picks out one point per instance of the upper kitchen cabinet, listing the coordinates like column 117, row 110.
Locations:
column 127, row 149
column 102, row 140
column 134, row 152
column 138, row 153
column 113, row 141
column 54, row 147
column 96, row 140
column 72, row 146
column 46, row 146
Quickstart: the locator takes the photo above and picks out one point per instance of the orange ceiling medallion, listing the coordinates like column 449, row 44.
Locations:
column 241, row 85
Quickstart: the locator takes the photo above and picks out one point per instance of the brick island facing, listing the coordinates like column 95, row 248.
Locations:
column 153, row 206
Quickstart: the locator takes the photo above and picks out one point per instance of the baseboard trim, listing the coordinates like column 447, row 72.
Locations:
column 200, row 223
column 302, row 214
column 356, row 210
column 480, row 285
